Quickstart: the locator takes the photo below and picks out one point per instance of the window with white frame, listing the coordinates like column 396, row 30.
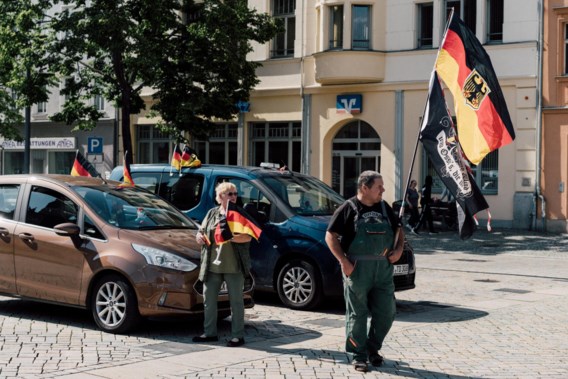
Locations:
column 42, row 107
column 465, row 9
column 154, row 146
column 99, row 103
column 495, row 12
column 336, row 27
column 425, row 25
column 283, row 43
column 361, row 27
column 221, row 147
column 277, row 142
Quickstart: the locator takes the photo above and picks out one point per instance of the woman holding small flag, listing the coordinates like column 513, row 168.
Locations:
column 224, row 258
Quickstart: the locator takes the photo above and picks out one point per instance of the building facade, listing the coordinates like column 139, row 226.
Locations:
column 53, row 145
column 554, row 128
column 343, row 89
column 351, row 77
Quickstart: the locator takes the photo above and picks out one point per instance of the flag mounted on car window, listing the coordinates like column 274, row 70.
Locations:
column 189, row 158
column 127, row 176
column 176, row 157
column 483, row 121
column 82, row 167
column 439, row 139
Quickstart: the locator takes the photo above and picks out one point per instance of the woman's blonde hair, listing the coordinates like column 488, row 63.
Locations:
column 224, row 187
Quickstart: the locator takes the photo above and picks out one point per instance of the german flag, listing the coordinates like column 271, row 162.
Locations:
column 237, row 221
column 483, row 120
column 222, row 232
column 189, row 158
column 128, row 181
column 240, row 222
column 82, row 167
column 176, row 157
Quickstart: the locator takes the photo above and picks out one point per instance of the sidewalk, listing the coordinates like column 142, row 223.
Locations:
column 494, row 306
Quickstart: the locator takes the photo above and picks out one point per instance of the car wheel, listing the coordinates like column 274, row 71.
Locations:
column 299, row 285
column 114, row 306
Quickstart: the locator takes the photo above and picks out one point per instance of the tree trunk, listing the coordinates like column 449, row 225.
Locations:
column 125, row 124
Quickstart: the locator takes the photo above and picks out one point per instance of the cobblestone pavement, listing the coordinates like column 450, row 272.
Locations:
column 495, row 306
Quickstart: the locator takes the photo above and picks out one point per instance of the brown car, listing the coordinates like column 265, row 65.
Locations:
column 122, row 252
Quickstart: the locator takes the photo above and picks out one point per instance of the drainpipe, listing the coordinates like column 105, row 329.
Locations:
column 306, row 103
column 538, row 195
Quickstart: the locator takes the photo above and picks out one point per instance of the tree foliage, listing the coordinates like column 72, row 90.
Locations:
column 191, row 53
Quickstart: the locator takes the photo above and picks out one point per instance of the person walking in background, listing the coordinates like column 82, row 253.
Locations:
column 227, row 262
column 365, row 236
column 426, row 204
column 411, row 200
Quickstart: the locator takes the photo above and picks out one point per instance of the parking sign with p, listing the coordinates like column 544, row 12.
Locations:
column 95, row 145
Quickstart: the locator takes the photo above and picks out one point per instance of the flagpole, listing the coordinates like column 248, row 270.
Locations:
column 401, row 211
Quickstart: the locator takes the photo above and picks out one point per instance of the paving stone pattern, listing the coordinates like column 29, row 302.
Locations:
column 495, row 306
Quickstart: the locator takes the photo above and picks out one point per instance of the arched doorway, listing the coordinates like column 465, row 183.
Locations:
column 355, row 148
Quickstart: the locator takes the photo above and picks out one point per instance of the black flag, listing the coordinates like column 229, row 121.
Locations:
column 440, row 141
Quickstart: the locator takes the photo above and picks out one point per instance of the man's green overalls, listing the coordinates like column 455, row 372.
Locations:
column 369, row 290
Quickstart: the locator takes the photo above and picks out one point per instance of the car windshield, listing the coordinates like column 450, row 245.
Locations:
column 133, row 208
column 306, row 195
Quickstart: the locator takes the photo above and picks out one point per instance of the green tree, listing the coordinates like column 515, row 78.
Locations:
column 192, row 53
column 23, row 63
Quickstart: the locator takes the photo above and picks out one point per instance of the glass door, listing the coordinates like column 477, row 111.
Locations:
column 346, row 169
column 356, row 148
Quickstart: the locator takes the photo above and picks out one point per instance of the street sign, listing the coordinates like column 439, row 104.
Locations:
column 95, row 145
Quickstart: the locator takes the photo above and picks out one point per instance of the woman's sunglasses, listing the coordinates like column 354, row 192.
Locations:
column 231, row 193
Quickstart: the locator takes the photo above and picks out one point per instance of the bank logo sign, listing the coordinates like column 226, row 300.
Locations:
column 349, row 104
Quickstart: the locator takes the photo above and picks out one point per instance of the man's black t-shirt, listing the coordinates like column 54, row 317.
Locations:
column 342, row 221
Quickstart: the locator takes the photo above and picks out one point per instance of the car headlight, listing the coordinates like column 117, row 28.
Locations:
column 162, row 258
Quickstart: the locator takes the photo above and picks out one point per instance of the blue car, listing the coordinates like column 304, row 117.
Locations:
column 291, row 257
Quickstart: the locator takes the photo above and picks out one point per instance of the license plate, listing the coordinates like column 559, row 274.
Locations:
column 400, row 270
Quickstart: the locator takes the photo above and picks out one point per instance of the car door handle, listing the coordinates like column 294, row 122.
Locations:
column 26, row 237
column 4, row 232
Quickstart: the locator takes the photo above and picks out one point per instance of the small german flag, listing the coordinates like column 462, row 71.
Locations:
column 82, row 167
column 483, row 121
column 189, row 158
column 237, row 221
column 127, row 176
column 240, row 222
column 223, row 232
column 176, row 157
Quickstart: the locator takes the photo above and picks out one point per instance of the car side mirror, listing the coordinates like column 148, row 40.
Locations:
column 67, row 229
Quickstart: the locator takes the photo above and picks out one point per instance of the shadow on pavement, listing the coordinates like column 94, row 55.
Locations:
column 431, row 311
column 488, row 243
column 49, row 313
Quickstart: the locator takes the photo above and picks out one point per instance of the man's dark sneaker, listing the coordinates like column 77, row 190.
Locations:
column 376, row 360
column 360, row 366
column 235, row 342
